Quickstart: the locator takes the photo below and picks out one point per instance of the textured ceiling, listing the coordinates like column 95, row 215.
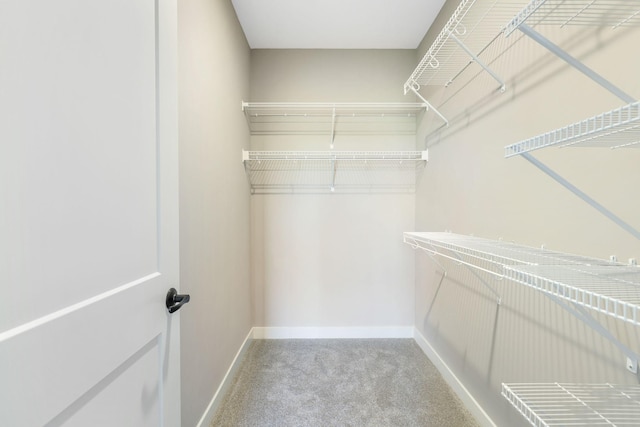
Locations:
column 336, row 24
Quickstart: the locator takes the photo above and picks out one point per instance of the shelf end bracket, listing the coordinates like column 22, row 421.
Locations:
column 415, row 87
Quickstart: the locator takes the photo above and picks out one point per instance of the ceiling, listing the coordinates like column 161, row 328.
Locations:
column 336, row 24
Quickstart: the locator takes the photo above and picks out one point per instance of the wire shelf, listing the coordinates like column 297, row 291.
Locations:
column 557, row 404
column 612, row 290
column 281, row 118
column 614, row 129
column 463, row 56
column 272, row 172
column 608, row 287
column 607, row 13
column 475, row 24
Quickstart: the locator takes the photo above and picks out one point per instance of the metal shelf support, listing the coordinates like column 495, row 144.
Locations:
column 477, row 60
column 333, row 127
column 415, row 88
column 556, row 50
column 581, row 314
column 582, row 195
column 432, row 252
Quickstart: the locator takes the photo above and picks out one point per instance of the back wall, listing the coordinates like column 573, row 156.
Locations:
column 331, row 260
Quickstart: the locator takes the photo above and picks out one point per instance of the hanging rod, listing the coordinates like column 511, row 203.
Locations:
column 301, row 172
column 327, row 108
column 324, row 118
column 335, row 155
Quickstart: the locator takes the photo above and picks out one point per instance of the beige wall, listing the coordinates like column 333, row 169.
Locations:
column 331, row 260
column 470, row 188
column 214, row 198
column 338, row 260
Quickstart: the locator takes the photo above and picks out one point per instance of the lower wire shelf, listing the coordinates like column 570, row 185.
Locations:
column 605, row 286
column 301, row 172
column 555, row 404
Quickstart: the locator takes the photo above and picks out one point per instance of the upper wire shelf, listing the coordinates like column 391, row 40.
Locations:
column 273, row 172
column 608, row 13
column 605, row 286
column 475, row 34
column 474, row 25
column 463, row 50
column 558, row 404
column 614, row 129
column 373, row 118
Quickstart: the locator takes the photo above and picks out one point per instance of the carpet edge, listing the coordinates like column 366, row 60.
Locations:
column 221, row 392
column 454, row 382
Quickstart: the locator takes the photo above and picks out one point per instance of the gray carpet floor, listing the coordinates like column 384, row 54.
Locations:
column 325, row 382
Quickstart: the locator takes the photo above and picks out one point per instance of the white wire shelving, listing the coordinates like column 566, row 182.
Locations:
column 601, row 13
column 462, row 50
column 446, row 57
column 613, row 129
column 605, row 286
column 274, row 172
column 556, row 404
column 610, row 289
column 317, row 118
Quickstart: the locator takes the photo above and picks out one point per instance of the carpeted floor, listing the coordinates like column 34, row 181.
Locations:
column 325, row 382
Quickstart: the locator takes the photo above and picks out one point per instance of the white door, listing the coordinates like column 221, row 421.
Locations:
column 88, row 213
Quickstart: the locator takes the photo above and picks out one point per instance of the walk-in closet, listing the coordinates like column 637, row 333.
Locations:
column 338, row 212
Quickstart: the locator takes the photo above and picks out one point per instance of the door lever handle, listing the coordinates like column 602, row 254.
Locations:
column 174, row 300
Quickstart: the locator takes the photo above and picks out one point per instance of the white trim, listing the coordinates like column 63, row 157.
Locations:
column 454, row 382
column 207, row 417
column 333, row 332
column 4, row 336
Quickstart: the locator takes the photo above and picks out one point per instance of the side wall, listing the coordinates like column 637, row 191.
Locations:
column 470, row 188
column 214, row 198
column 331, row 260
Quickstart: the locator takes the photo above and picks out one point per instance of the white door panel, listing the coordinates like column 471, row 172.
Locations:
column 133, row 381
column 79, row 83
column 88, row 213
column 56, row 360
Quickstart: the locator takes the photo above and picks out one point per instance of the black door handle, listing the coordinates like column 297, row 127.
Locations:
column 175, row 301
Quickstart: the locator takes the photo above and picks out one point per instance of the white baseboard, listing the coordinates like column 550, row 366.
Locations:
column 450, row 377
column 207, row 417
column 332, row 332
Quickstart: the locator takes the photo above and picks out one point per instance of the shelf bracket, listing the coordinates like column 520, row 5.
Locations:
column 333, row 128
column 556, row 50
column 581, row 314
column 432, row 252
column 477, row 61
column 483, row 282
column 333, row 175
column 582, row 195
column 415, row 87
